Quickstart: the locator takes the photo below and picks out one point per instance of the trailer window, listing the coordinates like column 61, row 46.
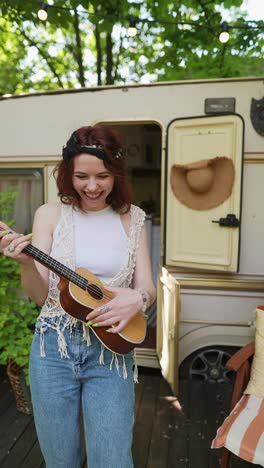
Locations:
column 27, row 183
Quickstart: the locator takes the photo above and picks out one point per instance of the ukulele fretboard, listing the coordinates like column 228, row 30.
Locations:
column 56, row 266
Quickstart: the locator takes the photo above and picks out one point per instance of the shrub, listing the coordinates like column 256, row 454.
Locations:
column 17, row 312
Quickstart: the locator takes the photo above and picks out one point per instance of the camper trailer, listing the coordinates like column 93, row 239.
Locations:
column 208, row 259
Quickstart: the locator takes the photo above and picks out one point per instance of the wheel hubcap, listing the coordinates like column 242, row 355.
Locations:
column 209, row 365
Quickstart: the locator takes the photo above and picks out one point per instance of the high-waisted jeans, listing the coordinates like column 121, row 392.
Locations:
column 60, row 387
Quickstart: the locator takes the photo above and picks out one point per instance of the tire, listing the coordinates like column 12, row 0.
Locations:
column 208, row 365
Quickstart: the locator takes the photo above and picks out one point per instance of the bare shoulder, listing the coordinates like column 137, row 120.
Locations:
column 49, row 208
column 48, row 214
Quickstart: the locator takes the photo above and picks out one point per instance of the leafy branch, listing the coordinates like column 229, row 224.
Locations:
column 17, row 312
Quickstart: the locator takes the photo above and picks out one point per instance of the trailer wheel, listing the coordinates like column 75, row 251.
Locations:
column 208, row 365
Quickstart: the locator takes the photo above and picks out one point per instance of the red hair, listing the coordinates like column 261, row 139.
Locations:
column 110, row 140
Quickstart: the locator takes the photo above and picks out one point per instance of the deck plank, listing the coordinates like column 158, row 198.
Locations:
column 139, row 390
column 161, row 433
column 33, row 458
column 180, row 441
column 144, row 422
column 16, row 423
column 22, row 449
column 6, row 395
column 199, row 450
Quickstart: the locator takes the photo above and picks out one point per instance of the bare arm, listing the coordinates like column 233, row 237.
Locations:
column 142, row 278
column 34, row 276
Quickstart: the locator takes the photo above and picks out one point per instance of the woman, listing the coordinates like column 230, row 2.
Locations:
column 95, row 226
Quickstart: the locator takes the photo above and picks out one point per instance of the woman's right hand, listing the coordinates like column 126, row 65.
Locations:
column 12, row 244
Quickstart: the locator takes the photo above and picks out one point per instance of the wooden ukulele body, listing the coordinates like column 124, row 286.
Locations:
column 77, row 302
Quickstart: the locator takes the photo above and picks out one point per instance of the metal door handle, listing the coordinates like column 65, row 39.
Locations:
column 229, row 221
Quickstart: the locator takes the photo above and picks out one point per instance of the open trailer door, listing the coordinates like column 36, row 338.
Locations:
column 168, row 304
column 202, row 224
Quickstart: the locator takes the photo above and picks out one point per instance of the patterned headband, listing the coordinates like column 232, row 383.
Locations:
column 69, row 152
column 72, row 148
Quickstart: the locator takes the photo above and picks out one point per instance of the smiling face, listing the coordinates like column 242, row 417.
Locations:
column 92, row 181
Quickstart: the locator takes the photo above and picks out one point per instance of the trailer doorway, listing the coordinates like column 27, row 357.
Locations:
column 143, row 145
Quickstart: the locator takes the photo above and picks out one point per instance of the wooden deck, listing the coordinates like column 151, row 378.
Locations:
column 164, row 435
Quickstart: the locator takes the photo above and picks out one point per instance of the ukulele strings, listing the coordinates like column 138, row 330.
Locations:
column 84, row 283
column 93, row 289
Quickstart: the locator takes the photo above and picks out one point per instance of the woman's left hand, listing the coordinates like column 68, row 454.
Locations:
column 117, row 312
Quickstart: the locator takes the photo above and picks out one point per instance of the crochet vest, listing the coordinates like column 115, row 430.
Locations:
column 63, row 251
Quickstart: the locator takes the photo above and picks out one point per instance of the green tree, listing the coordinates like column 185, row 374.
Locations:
column 82, row 40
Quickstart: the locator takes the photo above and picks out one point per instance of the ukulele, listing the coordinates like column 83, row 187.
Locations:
column 80, row 292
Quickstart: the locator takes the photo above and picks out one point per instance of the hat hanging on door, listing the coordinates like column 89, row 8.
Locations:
column 204, row 184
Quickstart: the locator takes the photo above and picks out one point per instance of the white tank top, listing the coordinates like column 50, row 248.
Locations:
column 100, row 242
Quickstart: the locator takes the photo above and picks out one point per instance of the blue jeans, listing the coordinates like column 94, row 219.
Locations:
column 60, row 387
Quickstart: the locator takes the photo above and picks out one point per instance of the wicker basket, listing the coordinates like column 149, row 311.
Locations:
column 20, row 388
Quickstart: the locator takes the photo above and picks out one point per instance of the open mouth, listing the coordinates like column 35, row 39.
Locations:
column 92, row 197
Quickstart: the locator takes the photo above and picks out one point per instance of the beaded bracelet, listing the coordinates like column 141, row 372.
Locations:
column 144, row 298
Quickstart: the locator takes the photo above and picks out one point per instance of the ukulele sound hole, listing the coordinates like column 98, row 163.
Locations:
column 95, row 291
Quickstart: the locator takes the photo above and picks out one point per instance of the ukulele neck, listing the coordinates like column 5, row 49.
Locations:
column 57, row 267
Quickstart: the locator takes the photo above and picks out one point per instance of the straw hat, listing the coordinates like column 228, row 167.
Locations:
column 203, row 184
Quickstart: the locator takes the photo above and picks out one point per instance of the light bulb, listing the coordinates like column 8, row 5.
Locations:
column 132, row 29
column 132, row 32
column 224, row 37
column 42, row 12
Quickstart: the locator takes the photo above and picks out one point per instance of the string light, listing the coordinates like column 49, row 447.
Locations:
column 132, row 28
column 224, row 35
column 43, row 12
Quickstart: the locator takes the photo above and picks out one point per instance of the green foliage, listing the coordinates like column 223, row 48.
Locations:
column 17, row 312
column 70, row 50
